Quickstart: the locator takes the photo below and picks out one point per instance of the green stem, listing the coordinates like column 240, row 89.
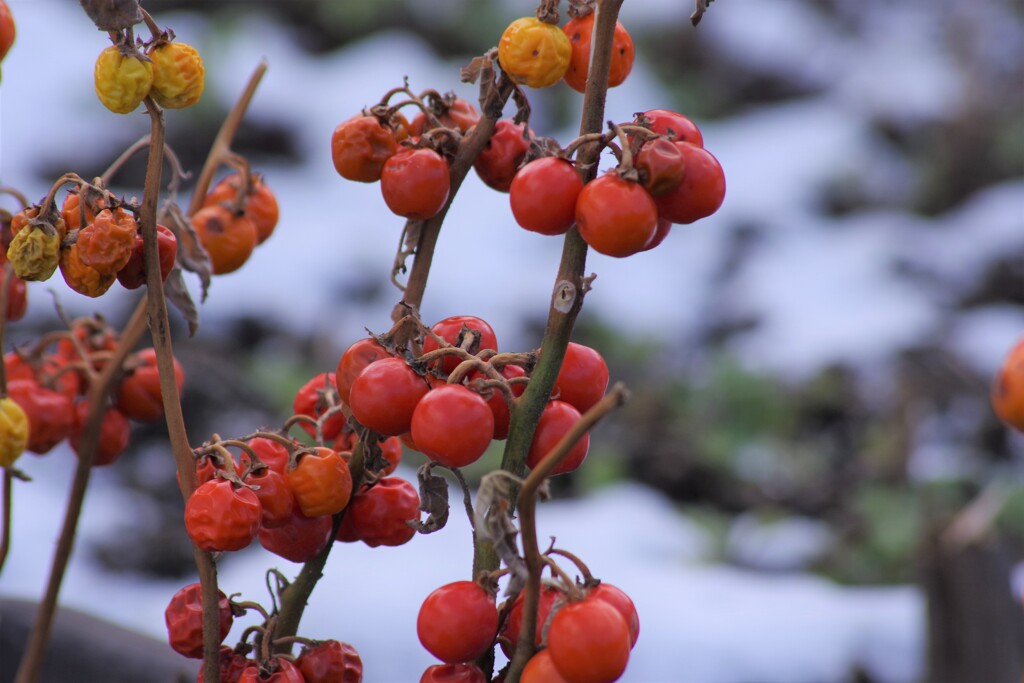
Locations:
column 295, row 597
column 570, row 286
column 528, row 523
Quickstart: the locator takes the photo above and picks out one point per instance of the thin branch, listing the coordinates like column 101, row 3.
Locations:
column 528, row 522
column 31, row 663
column 222, row 143
column 429, row 230
column 159, row 326
column 5, row 531
column 567, row 298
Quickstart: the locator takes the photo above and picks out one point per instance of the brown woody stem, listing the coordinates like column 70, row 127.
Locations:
column 222, row 143
column 159, row 327
column 528, row 522
column 31, row 662
column 5, row 530
column 469, row 150
column 17, row 194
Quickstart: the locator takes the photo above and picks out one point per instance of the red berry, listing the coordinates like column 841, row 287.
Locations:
column 452, row 425
column 184, row 618
column 457, row 622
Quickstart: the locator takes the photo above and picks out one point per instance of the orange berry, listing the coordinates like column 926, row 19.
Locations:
column 228, row 237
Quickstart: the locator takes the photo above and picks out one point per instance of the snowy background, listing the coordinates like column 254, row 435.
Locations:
column 855, row 287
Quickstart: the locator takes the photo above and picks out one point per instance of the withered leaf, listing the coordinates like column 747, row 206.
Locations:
column 698, row 12
column 177, row 293
column 522, row 106
column 433, row 501
column 493, row 522
column 191, row 254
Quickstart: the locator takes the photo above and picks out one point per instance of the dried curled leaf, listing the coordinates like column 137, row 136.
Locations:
column 479, row 66
column 113, row 15
column 698, row 12
column 177, row 293
column 522, row 106
column 191, row 254
column 433, row 501
column 493, row 522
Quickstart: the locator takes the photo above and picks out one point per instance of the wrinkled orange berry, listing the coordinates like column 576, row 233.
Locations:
column 106, row 244
column 534, row 53
column 80, row 277
column 73, row 209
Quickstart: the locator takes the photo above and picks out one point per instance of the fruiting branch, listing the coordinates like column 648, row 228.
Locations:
column 527, row 499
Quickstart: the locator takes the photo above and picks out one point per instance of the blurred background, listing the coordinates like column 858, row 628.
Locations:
column 809, row 484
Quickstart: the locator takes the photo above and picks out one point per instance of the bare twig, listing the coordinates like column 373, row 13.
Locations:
column 31, row 662
column 528, row 523
column 567, row 299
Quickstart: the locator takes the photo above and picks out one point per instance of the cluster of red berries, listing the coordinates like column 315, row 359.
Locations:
column 452, row 399
column 583, row 635
column 411, row 160
column 324, row 661
column 665, row 176
column 50, row 383
column 285, row 494
column 669, row 178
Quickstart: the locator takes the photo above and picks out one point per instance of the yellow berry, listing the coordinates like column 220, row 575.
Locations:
column 34, row 253
column 178, row 75
column 13, row 431
column 534, row 53
column 122, row 82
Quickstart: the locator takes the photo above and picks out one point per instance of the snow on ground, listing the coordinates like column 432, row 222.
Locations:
column 824, row 287
column 700, row 622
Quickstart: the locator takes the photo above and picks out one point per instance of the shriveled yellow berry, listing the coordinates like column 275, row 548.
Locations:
column 534, row 53
column 178, row 75
column 122, row 82
column 13, row 431
column 34, row 253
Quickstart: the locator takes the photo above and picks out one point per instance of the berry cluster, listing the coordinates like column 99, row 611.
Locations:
column 583, row 631
column 320, row 661
column 664, row 175
column 51, row 382
column 95, row 240
column 170, row 72
column 450, row 399
column 537, row 54
column 286, row 493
